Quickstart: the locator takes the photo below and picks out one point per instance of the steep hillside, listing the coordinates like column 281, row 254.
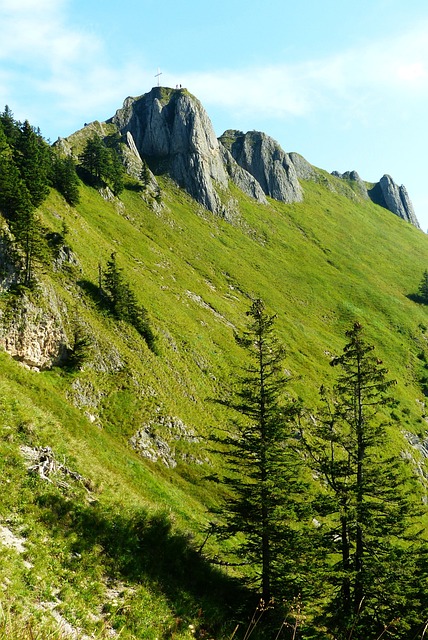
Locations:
column 105, row 468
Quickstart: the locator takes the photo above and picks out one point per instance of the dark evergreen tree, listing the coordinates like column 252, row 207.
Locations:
column 14, row 195
column 33, row 160
column 81, row 350
column 115, row 173
column 65, row 179
column 145, row 175
column 367, row 507
column 95, row 158
column 25, row 163
column 29, row 234
column 263, row 471
column 103, row 163
column 124, row 303
column 423, row 288
column 10, row 126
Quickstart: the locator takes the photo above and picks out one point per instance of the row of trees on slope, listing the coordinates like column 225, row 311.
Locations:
column 29, row 166
column 345, row 538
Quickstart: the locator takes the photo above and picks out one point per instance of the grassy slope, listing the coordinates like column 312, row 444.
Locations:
column 319, row 265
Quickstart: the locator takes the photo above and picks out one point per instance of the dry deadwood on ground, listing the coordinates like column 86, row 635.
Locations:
column 43, row 461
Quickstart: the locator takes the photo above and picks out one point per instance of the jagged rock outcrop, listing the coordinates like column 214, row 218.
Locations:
column 354, row 177
column 389, row 195
column 304, row 170
column 264, row 159
column 172, row 131
column 34, row 335
column 385, row 193
column 244, row 180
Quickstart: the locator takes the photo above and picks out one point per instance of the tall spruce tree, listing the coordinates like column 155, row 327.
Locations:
column 65, row 179
column 33, row 159
column 262, row 472
column 103, row 162
column 124, row 303
column 95, row 157
column 368, row 499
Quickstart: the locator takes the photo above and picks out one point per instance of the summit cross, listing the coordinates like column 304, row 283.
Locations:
column 158, row 74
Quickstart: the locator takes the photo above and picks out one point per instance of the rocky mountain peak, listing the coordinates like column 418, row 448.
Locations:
column 171, row 129
column 397, row 200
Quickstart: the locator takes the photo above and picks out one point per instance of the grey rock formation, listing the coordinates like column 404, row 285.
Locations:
column 172, row 131
column 385, row 193
column 244, row 180
column 397, row 200
column 34, row 335
column 264, row 159
column 304, row 169
column 353, row 176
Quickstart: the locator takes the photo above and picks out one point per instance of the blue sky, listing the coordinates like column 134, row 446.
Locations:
column 343, row 83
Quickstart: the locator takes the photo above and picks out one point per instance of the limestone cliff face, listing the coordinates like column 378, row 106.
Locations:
column 244, row 180
column 264, row 159
column 171, row 129
column 397, row 200
column 34, row 335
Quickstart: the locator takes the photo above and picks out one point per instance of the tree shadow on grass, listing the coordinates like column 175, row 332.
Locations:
column 416, row 297
column 95, row 293
column 139, row 546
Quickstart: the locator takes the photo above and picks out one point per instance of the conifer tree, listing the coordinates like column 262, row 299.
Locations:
column 366, row 507
column 103, row 162
column 94, row 158
column 263, row 471
column 145, row 175
column 115, row 172
column 64, row 178
column 124, row 303
column 32, row 157
column 10, row 126
column 423, row 287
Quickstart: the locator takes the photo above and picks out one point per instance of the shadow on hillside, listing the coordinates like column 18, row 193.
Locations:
column 140, row 545
column 415, row 297
column 96, row 295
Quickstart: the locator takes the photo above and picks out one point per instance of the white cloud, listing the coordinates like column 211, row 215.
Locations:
column 35, row 33
column 70, row 72
column 393, row 68
column 64, row 68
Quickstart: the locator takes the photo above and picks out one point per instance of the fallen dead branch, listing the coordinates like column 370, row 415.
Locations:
column 42, row 460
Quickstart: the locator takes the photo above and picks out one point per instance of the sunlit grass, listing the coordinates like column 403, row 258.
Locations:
column 319, row 265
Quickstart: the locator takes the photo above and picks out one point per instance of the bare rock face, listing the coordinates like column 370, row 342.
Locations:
column 304, row 169
column 264, row 159
column 386, row 194
column 172, row 131
column 397, row 200
column 353, row 177
column 244, row 180
column 33, row 335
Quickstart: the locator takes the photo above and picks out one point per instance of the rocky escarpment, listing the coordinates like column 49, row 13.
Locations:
column 358, row 184
column 171, row 130
column 395, row 198
column 244, row 180
column 385, row 193
column 263, row 158
column 34, row 334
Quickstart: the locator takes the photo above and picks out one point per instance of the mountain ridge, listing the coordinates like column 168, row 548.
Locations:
column 172, row 130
